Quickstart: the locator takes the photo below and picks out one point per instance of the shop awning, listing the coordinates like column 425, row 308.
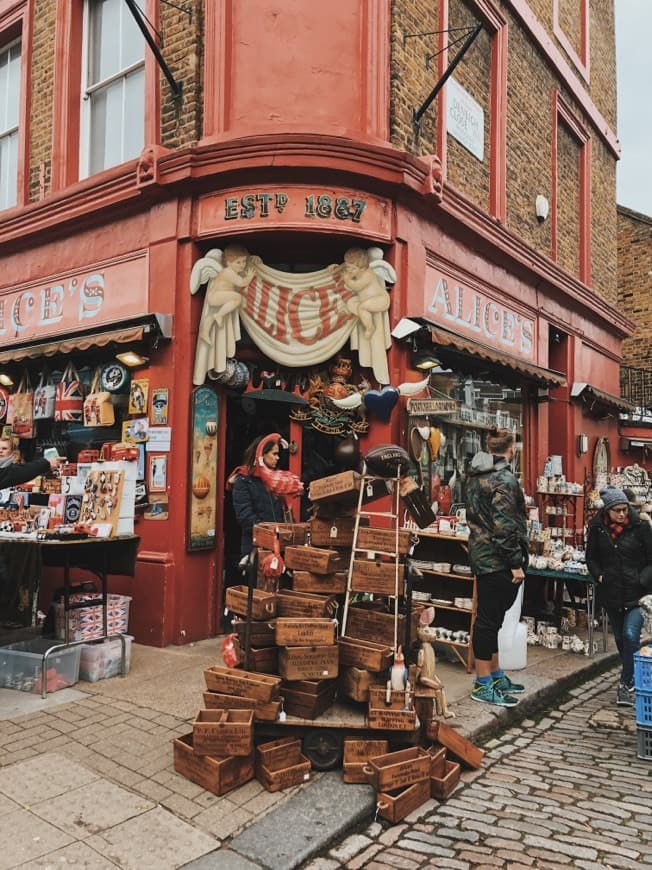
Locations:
column 445, row 339
column 151, row 328
column 601, row 400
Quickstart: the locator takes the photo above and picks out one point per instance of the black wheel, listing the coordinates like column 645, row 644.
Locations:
column 323, row 748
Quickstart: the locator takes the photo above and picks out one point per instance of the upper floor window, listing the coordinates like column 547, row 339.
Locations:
column 113, row 86
column 9, row 117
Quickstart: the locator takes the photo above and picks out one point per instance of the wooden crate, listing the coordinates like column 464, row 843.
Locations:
column 357, row 753
column 394, row 807
column 437, row 754
column 223, row 732
column 264, row 660
column 278, row 754
column 232, row 681
column 398, row 769
column 384, row 540
column 335, row 487
column 372, row 575
column 354, row 683
column 390, row 715
column 261, row 634
column 332, row 533
column 295, row 631
column 442, row 786
column 458, row 746
column 319, row 560
column 263, row 604
column 308, row 663
column 364, row 654
column 264, row 534
column 333, row 583
column 369, row 624
column 263, row 712
column 216, row 775
column 305, row 705
column 305, row 604
column 276, row 780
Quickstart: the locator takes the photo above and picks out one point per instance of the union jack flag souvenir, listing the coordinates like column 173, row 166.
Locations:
column 69, row 398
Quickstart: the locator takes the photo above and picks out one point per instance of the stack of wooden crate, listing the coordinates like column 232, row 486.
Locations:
column 280, row 764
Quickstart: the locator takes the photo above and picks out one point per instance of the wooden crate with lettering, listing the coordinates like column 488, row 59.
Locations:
column 460, row 747
column 223, row 732
column 263, row 604
column 308, row 663
column 397, row 769
column 369, row 624
column 364, row 654
column 319, row 560
column 297, row 631
column 381, row 578
column 442, row 786
column 290, row 534
column 233, row 681
column 384, row 540
column 332, row 533
column 305, row 604
column 354, row 683
column 263, row 711
column 395, row 807
column 286, row 777
column 324, row 584
column 336, row 487
column 357, row 753
column 216, row 775
column 389, row 715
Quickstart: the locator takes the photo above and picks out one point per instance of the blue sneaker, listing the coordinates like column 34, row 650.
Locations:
column 507, row 687
column 487, row 693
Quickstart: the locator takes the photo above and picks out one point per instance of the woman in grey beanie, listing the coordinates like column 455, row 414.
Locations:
column 619, row 556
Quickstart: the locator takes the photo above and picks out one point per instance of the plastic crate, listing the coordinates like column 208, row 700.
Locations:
column 643, row 708
column 100, row 661
column 644, row 743
column 643, row 672
column 21, row 664
column 86, row 623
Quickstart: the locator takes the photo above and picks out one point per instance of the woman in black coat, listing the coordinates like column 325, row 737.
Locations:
column 13, row 474
column 619, row 556
column 259, row 490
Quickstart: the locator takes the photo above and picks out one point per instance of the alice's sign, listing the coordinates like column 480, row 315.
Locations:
column 295, row 207
column 469, row 312
column 98, row 294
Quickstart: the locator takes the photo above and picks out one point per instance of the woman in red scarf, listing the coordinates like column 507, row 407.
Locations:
column 259, row 489
column 619, row 556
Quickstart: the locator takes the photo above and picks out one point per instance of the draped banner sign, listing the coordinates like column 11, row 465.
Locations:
column 296, row 319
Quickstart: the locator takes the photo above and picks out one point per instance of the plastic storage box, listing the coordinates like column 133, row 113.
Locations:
column 86, row 623
column 21, row 664
column 644, row 708
column 643, row 672
column 99, row 661
column 644, row 741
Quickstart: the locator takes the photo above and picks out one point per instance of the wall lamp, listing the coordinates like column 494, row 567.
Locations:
column 541, row 208
column 582, row 444
column 132, row 359
column 425, row 360
column 5, row 380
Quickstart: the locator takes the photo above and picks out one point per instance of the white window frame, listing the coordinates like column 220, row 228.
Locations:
column 9, row 132
column 86, row 93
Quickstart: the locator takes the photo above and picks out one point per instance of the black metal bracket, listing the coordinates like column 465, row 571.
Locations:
column 417, row 114
column 139, row 18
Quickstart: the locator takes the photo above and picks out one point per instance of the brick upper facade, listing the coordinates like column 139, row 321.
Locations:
column 635, row 284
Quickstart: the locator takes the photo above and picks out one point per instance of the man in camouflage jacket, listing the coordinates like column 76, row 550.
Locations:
column 495, row 510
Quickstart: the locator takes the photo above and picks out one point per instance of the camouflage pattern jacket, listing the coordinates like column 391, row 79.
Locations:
column 495, row 510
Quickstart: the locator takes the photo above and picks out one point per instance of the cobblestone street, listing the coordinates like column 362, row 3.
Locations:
column 565, row 791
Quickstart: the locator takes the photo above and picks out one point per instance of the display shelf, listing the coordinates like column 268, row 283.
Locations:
column 559, row 513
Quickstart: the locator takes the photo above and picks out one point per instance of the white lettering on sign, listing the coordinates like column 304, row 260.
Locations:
column 465, row 118
column 475, row 314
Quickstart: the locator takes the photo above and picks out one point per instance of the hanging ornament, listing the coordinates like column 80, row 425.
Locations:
column 381, row 402
column 413, row 388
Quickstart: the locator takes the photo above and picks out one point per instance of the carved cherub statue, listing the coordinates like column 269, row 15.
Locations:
column 426, row 662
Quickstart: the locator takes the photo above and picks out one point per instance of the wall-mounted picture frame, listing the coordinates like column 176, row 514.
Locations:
column 135, row 431
column 160, row 403
column 202, row 496
column 138, row 395
column 140, row 466
column 157, row 472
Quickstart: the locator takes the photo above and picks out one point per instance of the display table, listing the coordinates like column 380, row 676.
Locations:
column 590, row 597
column 23, row 559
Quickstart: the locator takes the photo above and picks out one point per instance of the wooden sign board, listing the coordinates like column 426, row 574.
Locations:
column 426, row 407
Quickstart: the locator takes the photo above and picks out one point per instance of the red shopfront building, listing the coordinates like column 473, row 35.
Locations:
column 88, row 275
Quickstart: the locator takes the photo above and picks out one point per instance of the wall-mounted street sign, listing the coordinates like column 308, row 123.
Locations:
column 427, row 407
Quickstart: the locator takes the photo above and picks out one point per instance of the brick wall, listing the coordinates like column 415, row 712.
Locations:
column 635, row 284
column 183, row 41
column 530, row 86
column 40, row 129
